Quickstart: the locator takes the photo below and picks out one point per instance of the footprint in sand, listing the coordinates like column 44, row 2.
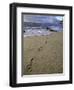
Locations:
column 29, row 66
column 39, row 49
column 45, row 42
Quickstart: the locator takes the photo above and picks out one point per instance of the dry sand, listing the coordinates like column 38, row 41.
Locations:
column 43, row 54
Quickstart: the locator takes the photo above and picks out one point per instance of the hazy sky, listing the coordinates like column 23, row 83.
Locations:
column 59, row 18
column 42, row 18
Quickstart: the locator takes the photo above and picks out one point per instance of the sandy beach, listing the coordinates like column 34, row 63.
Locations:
column 43, row 54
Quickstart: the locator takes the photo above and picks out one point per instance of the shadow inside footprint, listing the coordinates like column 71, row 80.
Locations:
column 45, row 42
column 39, row 49
column 28, row 68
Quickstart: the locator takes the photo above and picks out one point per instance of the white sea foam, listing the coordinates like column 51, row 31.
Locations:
column 36, row 32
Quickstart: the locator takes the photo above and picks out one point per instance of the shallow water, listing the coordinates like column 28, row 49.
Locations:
column 37, row 31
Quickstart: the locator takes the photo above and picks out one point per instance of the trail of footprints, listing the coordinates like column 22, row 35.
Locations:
column 29, row 66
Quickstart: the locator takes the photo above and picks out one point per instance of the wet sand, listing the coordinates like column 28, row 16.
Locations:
column 43, row 54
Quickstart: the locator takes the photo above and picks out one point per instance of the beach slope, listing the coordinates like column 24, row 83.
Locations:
column 43, row 54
